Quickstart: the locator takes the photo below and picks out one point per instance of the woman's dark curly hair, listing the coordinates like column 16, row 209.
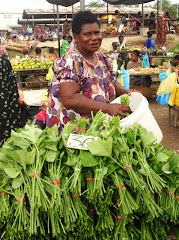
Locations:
column 136, row 52
column 83, row 17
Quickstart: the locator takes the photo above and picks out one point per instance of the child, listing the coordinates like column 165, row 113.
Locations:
column 52, row 54
column 41, row 119
column 38, row 52
column 25, row 52
column 150, row 43
column 64, row 45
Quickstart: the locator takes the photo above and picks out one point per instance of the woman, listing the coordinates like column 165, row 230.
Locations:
column 10, row 110
column 135, row 61
column 3, row 49
column 65, row 45
column 161, row 30
column 83, row 79
column 37, row 32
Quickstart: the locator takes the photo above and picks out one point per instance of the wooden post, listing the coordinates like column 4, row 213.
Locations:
column 58, row 31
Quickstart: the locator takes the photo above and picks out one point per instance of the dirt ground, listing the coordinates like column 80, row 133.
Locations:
column 170, row 134
column 138, row 41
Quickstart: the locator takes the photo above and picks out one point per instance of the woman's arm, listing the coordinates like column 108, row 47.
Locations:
column 72, row 99
column 120, row 90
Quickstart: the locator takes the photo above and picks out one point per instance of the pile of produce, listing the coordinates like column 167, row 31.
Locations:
column 30, row 63
column 156, row 52
column 123, row 187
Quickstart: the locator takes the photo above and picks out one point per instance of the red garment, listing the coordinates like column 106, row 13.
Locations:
column 3, row 50
column 162, row 30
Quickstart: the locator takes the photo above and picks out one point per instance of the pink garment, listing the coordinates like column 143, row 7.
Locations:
column 3, row 50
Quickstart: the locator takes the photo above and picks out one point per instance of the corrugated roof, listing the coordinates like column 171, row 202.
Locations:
column 68, row 10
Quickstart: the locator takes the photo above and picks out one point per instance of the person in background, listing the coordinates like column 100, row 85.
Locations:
column 38, row 52
column 66, row 28
column 167, row 17
column 64, row 45
column 52, row 54
column 161, row 30
column 135, row 61
column 83, row 80
column 151, row 23
column 124, row 20
column 37, row 32
column 146, row 20
column 139, row 17
column 175, row 61
column 70, row 43
column 150, row 43
column 25, row 52
column 8, row 36
column 118, row 19
column 41, row 119
column 29, row 32
column 10, row 109
column 2, row 49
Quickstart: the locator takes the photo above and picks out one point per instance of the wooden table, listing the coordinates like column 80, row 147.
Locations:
column 26, row 72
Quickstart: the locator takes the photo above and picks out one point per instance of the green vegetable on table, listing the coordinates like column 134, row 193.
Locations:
column 124, row 187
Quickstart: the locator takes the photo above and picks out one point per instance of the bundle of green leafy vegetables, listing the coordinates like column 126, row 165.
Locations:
column 124, row 187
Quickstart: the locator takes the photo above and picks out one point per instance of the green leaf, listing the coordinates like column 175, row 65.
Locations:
column 17, row 140
column 72, row 160
column 147, row 137
column 100, row 148
column 18, row 156
column 17, row 182
column 12, row 172
column 87, row 159
column 174, row 163
column 143, row 172
column 166, row 168
column 52, row 146
column 29, row 135
column 30, row 157
column 47, row 186
column 52, row 132
column 161, row 157
column 50, row 156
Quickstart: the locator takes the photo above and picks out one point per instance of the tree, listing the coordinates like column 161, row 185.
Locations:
column 168, row 7
column 95, row 4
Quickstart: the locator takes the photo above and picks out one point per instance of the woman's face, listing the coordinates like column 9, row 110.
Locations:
column 134, row 57
column 89, row 39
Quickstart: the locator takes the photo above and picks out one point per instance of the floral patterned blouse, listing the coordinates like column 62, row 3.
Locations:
column 96, row 82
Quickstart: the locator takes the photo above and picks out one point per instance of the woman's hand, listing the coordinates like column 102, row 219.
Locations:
column 116, row 109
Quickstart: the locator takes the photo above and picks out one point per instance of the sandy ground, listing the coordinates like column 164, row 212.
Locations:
column 138, row 41
column 170, row 134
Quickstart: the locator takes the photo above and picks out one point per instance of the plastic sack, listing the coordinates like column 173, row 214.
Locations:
column 163, row 99
column 49, row 75
column 145, row 61
column 174, row 97
column 120, row 80
column 115, row 66
column 126, row 78
column 162, row 77
column 120, row 28
column 169, row 83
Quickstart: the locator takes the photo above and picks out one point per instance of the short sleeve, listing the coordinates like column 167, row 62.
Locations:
column 66, row 70
column 109, row 64
column 146, row 43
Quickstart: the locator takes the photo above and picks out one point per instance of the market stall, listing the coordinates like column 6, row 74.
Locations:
column 31, row 71
column 107, row 182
